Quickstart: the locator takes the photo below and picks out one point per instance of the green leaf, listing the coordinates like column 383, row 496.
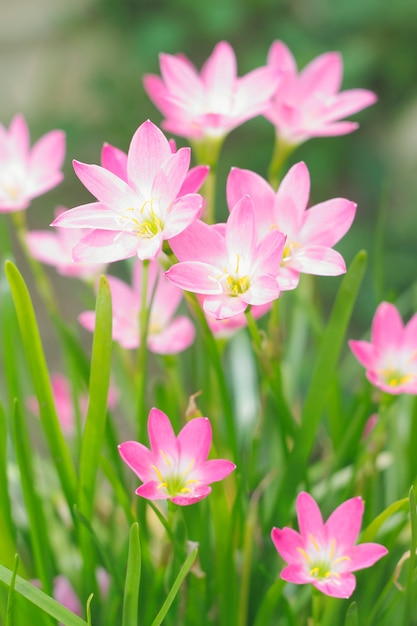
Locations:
column 175, row 588
column 40, row 376
column 352, row 615
column 38, row 526
column 10, row 595
column 132, row 584
column 7, row 532
column 371, row 531
column 409, row 604
column 325, row 366
column 40, row 599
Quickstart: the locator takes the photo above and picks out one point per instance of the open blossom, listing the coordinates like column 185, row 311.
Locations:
column 309, row 104
column 175, row 468
column 311, row 234
column 226, row 265
column 390, row 358
column 25, row 172
column 166, row 334
column 134, row 216
column 210, row 103
column 325, row 554
column 55, row 248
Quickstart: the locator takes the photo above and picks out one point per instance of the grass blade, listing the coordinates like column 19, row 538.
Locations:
column 133, row 572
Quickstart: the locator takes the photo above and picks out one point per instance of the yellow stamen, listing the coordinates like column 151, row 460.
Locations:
column 314, row 571
column 340, row 559
column 332, row 548
column 166, row 459
column 305, row 555
column 314, row 542
column 158, row 473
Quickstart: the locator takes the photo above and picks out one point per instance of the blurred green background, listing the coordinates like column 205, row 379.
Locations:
column 78, row 66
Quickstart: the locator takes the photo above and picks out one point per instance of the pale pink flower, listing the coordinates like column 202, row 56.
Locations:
column 64, row 402
column 26, row 172
column 225, row 328
column 166, row 334
column 64, row 593
column 210, row 103
column 311, row 234
column 175, row 468
column 226, row 265
column 325, row 554
column 55, row 248
column 134, row 216
column 309, row 104
column 390, row 358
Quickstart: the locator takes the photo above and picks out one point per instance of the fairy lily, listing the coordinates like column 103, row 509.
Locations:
column 210, row 103
column 311, row 234
column 166, row 334
column 310, row 103
column 325, row 554
column 226, row 265
column 175, row 468
column 134, row 216
column 390, row 358
column 25, row 172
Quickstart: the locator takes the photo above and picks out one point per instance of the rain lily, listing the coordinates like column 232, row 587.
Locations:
column 25, row 172
column 325, row 554
column 311, row 233
column 213, row 102
column 165, row 334
column 227, row 266
column 134, row 216
column 309, row 104
column 55, row 248
column 175, row 468
column 390, row 358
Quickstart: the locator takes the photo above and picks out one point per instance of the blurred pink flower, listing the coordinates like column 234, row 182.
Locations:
column 55, row 248
column 311, row 233
column 325, row 554
column 64, row 402
column 175, row 468
column 137, row 212
column 309, row 104
column 210, row 103
column 390, row 358
column 165, row 334
column 25, row 172
column 226, row 265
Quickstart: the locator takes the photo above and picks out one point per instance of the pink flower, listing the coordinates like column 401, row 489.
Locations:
column 55, row 248
column 325, row 554
column 64, row 593
column 309, row 104
column 134, row 216
column 175, row 468
column 165, row 334
column 390, row 358
column 210, row 103
column 25, row 172
column 311, row 233
column 226, row 265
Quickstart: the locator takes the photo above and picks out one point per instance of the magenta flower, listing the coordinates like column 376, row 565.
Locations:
column 390, row 358
column 210, row 103
column 134, row 216
column 175, row 468
column 311, row 234
column 309, row 104
column 226, row 265
column 26, row 173
column 166, row 334
column 55, row 248
column 325, row 554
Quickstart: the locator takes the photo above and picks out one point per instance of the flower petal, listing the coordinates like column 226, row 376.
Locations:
column 139, row 458
column 161, row 434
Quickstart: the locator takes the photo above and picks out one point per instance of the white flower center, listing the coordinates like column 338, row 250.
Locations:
column 173, row 479
column 322, row 562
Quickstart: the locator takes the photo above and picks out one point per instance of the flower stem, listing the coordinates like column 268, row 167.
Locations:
column 144, row 316
column 282, row 151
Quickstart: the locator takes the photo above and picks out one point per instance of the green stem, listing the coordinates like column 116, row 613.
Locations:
column 282, row 151
column 207, row 152
column 144, row 316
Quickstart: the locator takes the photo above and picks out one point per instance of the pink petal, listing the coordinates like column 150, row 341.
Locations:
column 280, row 57
column 114, row 160
column 296, row 573
column 310, row 521
column 151, row 491
column 148, row 150
column 176, row 337
column 194, row 440
column 345, row 523
column 195, row 276
column 47, row 154
column 287, row 541
column 244, row 182
column 349, row 102
column 194, row 179
column 263, row 289
column 364, row 352
column 326, row 223
column 170, row 176
column 317, row 260
column 342, row 587
column 323, row 75
column 269, row 253
column 364, row 555
column 240, row 232
column 200, row 242
column 92, row 216
column 223, row 306
column 387, row 328
column 19, row 132
column 214, row 470
column 138, row 458
column 87, row 319
column 197, row 494
column 105, row 246
column 219, row 74
column 254, row 91
column 181, row 79
column 161, row 434
column 65, row 595
column 291, row 200
column 183, row 212
column 107, row 188
column 410, row 334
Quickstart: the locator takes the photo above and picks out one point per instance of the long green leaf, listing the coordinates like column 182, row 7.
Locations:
column 39, row 371
column 175, row 588
column 40, row 599
column 42, row 553
column 10, row 595
column 7, row 539
column 322, row 375
column 409, row 603
column 132, row 583
column 371, row 531
column 352, row 615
